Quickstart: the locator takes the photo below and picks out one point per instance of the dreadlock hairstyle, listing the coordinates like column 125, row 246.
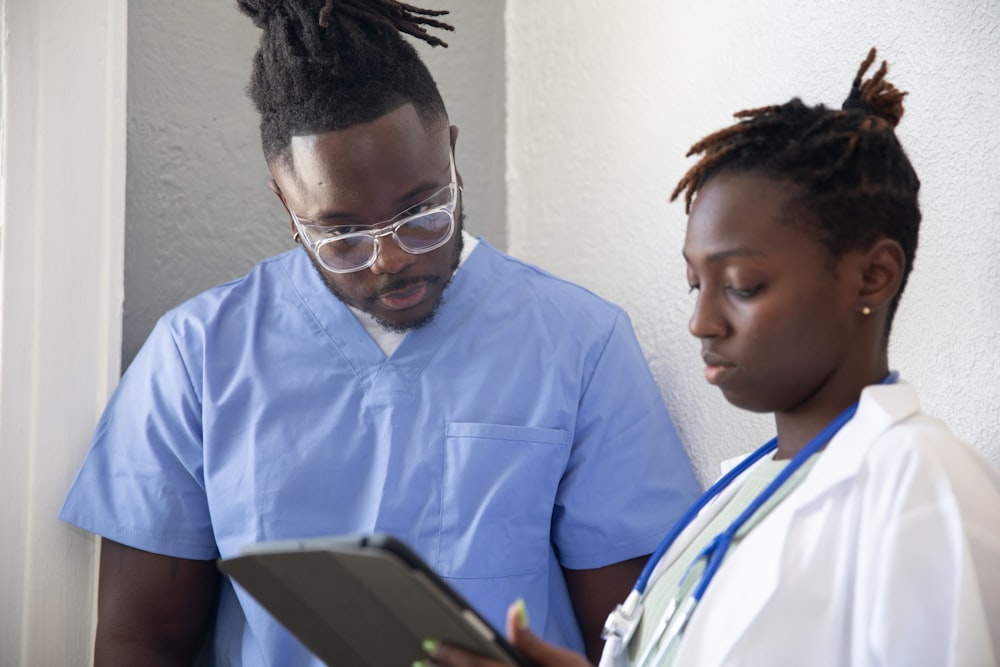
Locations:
column 325, row 65
column 856, row 183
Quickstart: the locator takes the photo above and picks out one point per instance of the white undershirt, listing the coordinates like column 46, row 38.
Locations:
column 387, row 340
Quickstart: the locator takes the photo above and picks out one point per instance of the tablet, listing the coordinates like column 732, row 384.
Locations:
column 365, row 601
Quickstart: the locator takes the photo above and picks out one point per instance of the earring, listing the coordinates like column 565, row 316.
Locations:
column 298, row 239
column 866, row 311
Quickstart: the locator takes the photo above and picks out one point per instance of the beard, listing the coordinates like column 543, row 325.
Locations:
column 403, row 283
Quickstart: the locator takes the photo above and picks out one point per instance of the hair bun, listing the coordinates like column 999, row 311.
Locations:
column 259, row 11
column 875, row 96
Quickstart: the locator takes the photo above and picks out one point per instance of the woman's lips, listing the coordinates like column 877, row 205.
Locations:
column 717, row 369
column 717, row 373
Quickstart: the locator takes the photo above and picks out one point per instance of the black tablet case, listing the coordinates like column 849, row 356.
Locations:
column 361, row 601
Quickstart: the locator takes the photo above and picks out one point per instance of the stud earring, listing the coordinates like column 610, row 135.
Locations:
column 866, row 311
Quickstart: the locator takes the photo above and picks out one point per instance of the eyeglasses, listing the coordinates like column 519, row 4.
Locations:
column 421, row 228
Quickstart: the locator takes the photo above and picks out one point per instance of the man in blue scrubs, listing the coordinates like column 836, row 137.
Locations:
column 391, row 374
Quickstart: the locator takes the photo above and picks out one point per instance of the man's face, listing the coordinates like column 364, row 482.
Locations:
column 363, row 176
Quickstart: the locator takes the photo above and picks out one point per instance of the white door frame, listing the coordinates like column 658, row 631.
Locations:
column 62, row 210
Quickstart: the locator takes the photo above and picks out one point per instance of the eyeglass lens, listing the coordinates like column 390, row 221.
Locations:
column 421, row 233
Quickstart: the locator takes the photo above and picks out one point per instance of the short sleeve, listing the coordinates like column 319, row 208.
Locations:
column 629, row 477
column 142, row 481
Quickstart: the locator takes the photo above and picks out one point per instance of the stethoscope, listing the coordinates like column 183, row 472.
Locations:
column 625, row 618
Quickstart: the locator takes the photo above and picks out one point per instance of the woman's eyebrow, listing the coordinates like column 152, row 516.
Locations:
column 728, row 254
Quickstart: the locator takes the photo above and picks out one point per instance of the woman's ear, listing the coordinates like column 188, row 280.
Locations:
column 882, row 273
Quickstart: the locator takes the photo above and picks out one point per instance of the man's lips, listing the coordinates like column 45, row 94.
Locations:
column 401, row 298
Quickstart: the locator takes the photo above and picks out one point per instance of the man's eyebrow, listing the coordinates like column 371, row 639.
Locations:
column 428, row 188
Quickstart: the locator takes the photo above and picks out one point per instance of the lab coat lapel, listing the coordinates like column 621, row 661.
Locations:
column 746, row 582
column 879, row 408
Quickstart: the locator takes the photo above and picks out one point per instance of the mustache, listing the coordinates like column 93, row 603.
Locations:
column 401, row 284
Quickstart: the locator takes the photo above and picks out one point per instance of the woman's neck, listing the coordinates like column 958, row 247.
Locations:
column 797, row 427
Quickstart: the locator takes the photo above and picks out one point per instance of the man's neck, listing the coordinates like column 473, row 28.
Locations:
column 389, row 340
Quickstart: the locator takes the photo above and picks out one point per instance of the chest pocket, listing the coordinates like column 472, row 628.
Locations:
column 499, row 488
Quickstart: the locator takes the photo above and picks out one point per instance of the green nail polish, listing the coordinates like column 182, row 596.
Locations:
column 522, row 613
column 430, row 645
column 419, row 663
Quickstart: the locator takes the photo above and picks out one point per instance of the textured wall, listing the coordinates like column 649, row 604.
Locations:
column 198, row 208
column 604, row 99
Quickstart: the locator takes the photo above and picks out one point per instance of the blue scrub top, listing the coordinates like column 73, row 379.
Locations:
column 518, row 433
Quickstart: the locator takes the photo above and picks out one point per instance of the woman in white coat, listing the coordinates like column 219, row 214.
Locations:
column 865, row 533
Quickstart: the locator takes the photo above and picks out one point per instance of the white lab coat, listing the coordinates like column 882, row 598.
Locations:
column 887, row 554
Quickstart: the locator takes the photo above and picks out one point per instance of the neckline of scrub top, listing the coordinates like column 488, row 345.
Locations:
column 388, row 340
column 351, row 343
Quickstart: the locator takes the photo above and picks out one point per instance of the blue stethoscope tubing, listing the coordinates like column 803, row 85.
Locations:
column 715, row 551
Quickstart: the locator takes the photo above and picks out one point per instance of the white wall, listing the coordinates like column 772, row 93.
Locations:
column 199, row 210
column 605, row 98
column 62, row 180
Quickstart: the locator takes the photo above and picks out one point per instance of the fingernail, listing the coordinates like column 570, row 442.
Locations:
column 522, row 613
column 419, row 663
column 430, row 645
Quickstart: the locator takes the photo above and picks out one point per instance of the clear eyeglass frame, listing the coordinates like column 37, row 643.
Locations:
column 317, row 237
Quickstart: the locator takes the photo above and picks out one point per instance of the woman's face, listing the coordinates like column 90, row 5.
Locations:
column 774, row 309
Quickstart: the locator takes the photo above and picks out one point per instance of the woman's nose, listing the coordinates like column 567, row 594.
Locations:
column 706, row 320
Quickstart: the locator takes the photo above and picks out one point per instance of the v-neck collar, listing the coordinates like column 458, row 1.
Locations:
column 389, row 341
column 350, row 343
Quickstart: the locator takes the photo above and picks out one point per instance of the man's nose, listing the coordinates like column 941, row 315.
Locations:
column 389, row 257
